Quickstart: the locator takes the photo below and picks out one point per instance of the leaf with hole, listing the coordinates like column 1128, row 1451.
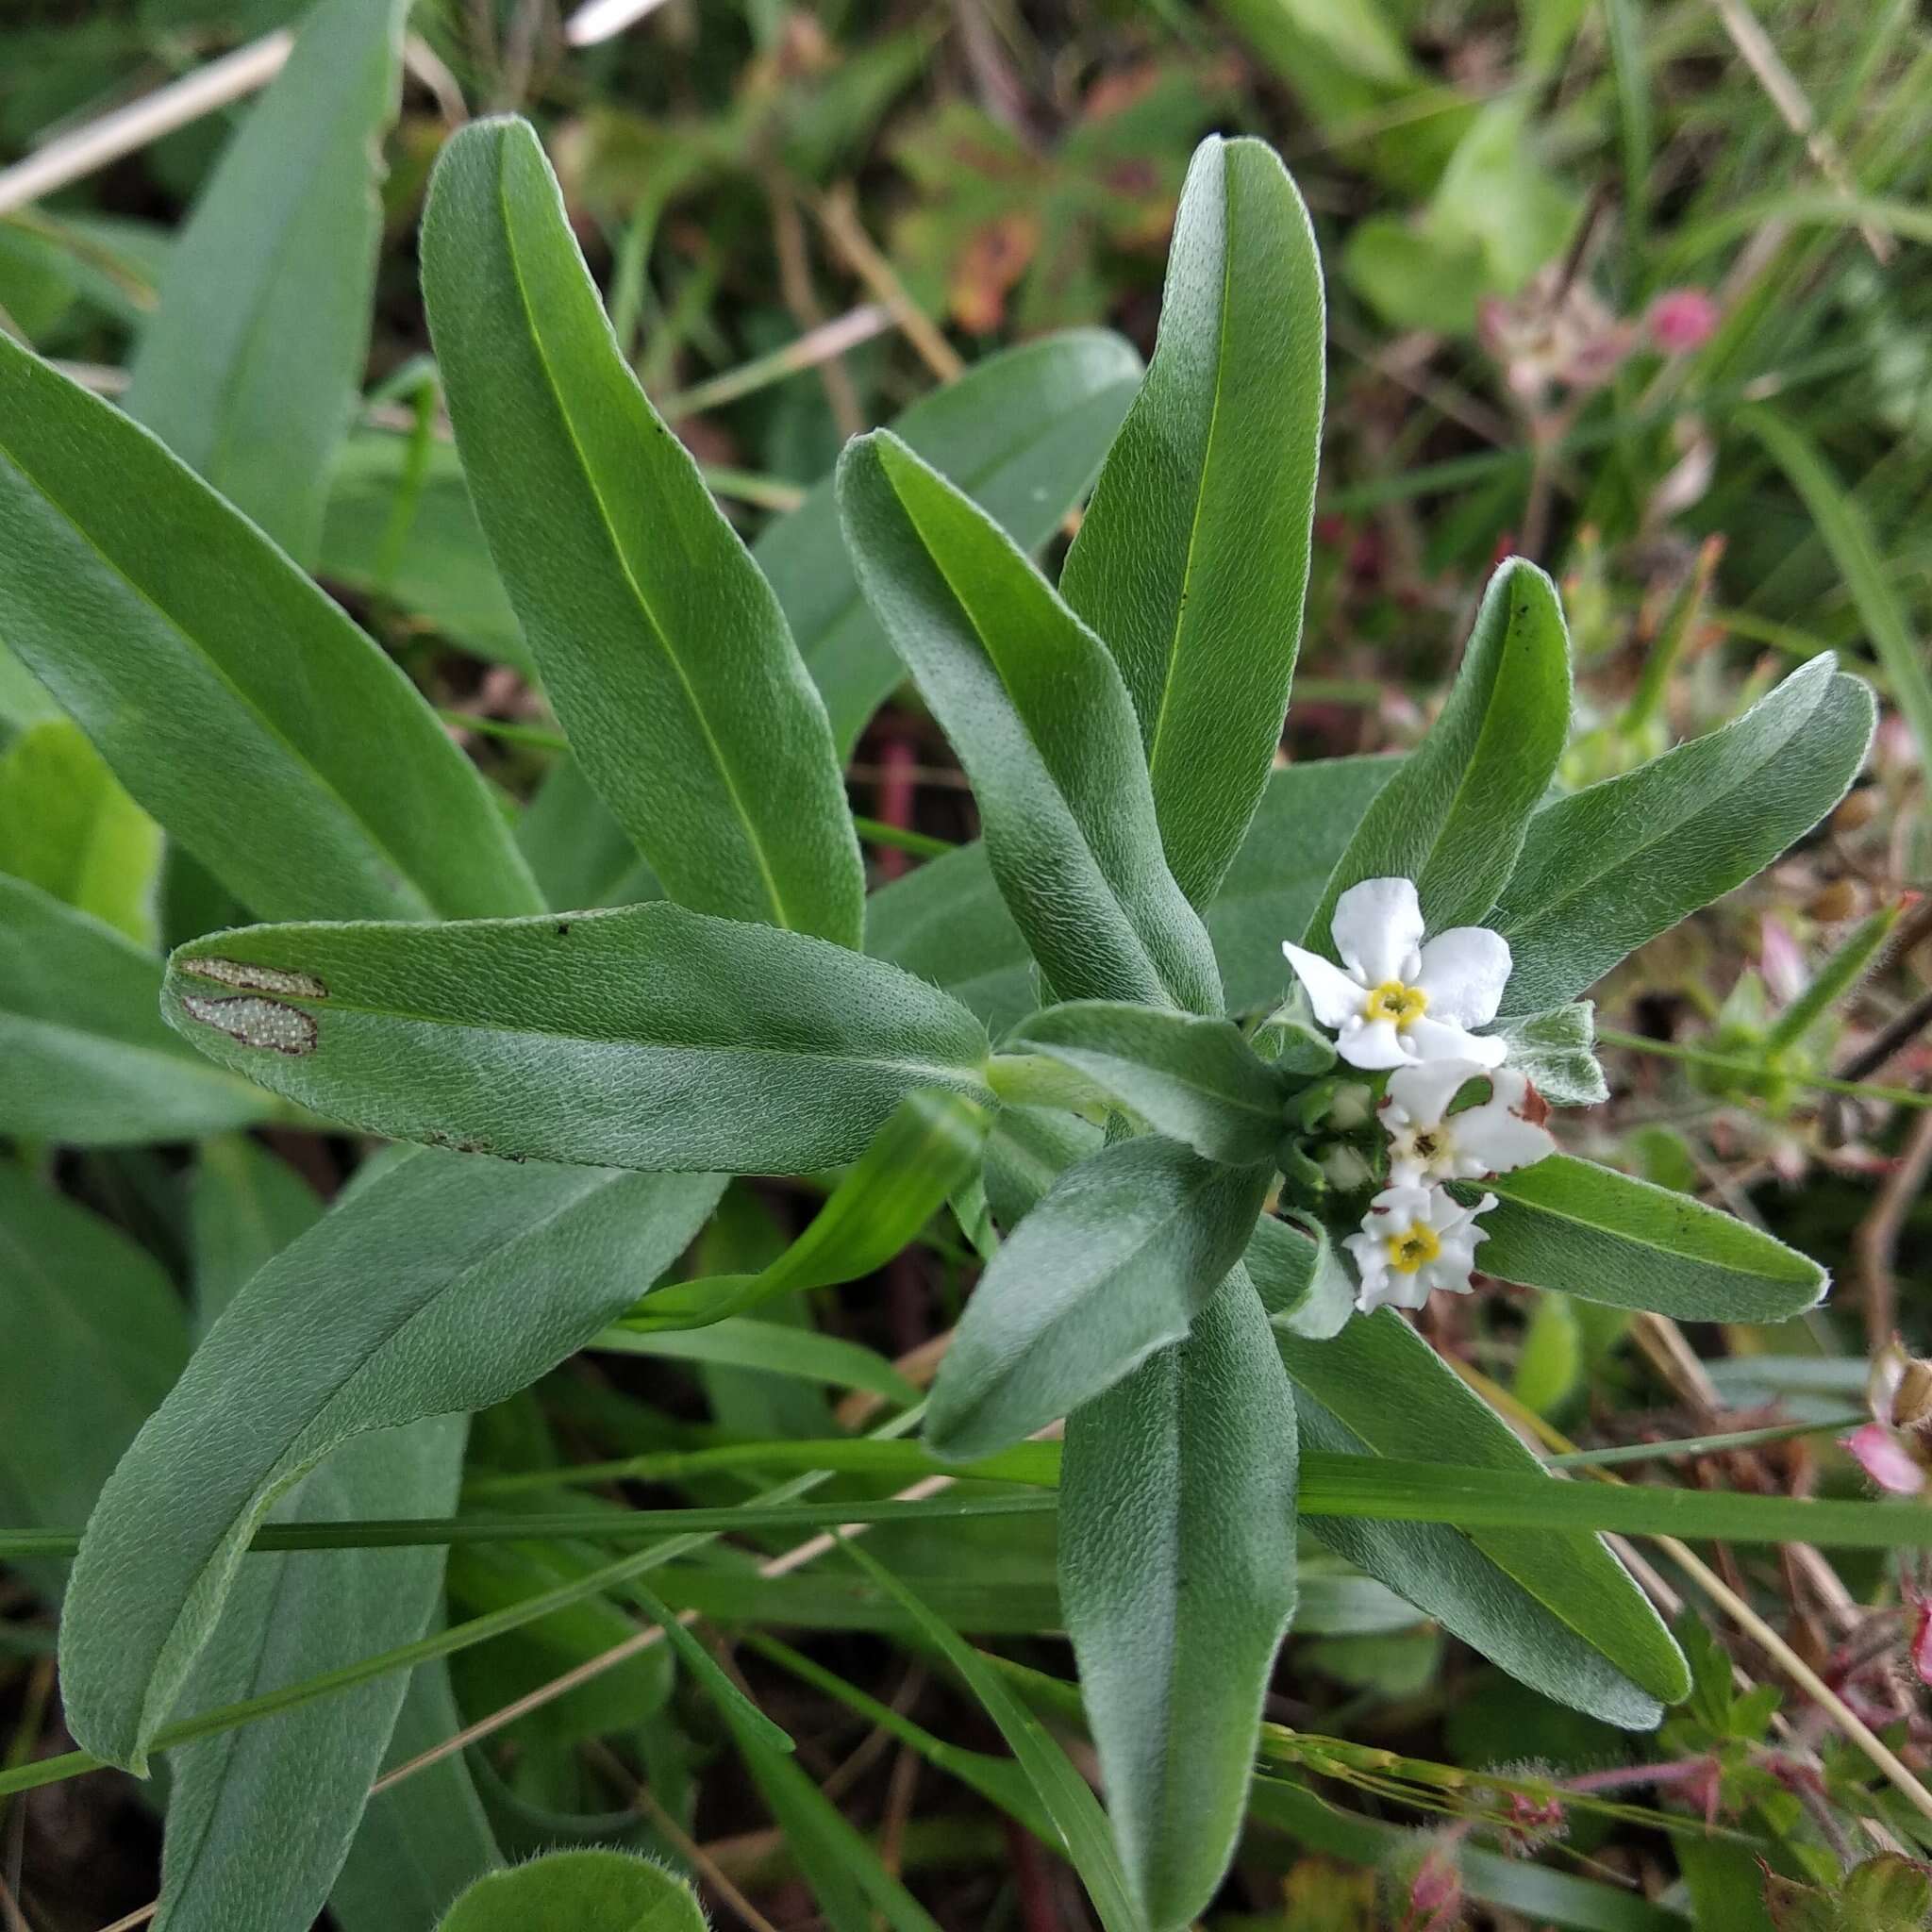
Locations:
column 651, row 1037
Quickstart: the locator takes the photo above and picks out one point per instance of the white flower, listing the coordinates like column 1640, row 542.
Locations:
column 1494, row 1137
column 1414, row 1240
column 1401, row 1000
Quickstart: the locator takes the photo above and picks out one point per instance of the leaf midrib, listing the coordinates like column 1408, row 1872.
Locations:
column 944, row 1073
column 1180, row 615
column 727, row 776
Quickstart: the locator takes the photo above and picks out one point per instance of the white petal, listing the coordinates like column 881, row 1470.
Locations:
column 1371, row 1044
column 1333, row 995
column 1464, row 972
column 1377, row 928
column 1430, row 1039
column 1371, row 1265
column 1493, row 1139
column 1418, row 1095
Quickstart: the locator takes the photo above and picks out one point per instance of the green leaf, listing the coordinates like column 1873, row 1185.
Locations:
column 1589, row 1231
column 1113, row 1264
column 1619, row 863
column 1587, row 1636
column 1193, row 560
column 1308, row 814
column 230, row 696
column 1557, row 1052
column 260, row 1818
column 88, row 1061
column 1061, row 1791
column 1044, row 727
column 420, row 1842
column 67, row 827
column 246, row 1206
column 652, row 1037
column 1847, row 535
column 739, row 1343
column 1195, row 1080
column 100, row 1335
column 388, row 1295
column 1022, row 433
column 250, row 367
column 1300, row 1276
column 948, row 922
column 1178, row 1571
column 663, row 647
column 580, row 855
column 577, row 1891
column 931, row 1144
column 1453, row 818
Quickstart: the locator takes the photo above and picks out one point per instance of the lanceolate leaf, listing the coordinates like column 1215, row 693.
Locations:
column 88, row 1059
column 1387, row 1390
column 1616, row 863
column 99, row 1335
column 376, row 1318
column 1022, row 433
column 931, row 1143
column 662, row 645
column 249, row 368
column 236, row 703
column 1043, row 725
column 948, row 922
column 260, row 1818
column 1176, row 1559
column 1193, row 560
column 1453, row 818
column 651, row 1037
column 1195, row 1080
column 246, row 1206
column 1113, row 1264
column 1570, row 1224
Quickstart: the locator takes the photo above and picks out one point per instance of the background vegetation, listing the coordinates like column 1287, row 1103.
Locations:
column 1638, row 290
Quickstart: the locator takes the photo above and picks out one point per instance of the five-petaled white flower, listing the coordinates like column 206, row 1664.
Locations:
column 1426, row 1142
column 1402, row 1000
column 1414, row 1240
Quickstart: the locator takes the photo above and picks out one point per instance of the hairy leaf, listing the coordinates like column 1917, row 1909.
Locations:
column 443, row 1285
column 1570, row 1225
column 1178, row 1571
column 651, row 1037
column 230, row 696
column 1192, row 560
column 661, row 644
column 1453, row 818
column 1043, row 725
column 1616, row 863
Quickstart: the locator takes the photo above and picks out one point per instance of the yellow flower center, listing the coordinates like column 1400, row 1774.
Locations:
column 1413, row 1248
column 1391, row 1000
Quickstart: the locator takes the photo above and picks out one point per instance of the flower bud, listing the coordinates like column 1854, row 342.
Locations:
column 1350, row 1106
column 1347, row 1172
column 1911, row 1401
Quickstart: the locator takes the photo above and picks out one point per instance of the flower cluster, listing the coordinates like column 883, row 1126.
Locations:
column 1410, row 1006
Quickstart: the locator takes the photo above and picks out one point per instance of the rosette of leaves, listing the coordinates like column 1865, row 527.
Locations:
column 1163, row 1271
